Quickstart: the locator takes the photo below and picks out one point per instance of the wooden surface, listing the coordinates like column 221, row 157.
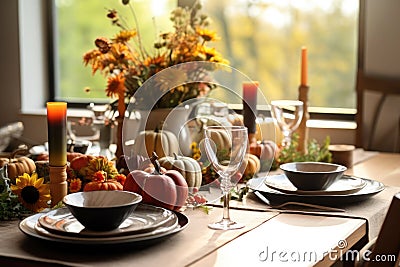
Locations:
column 299, row 233
column 383, row 167
column 288, row 235
column 290, row 239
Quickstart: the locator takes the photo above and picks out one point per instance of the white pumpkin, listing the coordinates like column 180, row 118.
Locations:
column 163, row 142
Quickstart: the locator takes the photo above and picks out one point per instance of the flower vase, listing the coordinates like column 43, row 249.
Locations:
column 170, row 119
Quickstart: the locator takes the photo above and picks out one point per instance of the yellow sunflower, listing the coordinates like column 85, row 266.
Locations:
column 32, row 192
column 124, row 36
column 207, row 35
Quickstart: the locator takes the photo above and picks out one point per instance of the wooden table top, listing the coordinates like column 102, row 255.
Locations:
column 306, row 240
column 383, row 167
column 274, row 238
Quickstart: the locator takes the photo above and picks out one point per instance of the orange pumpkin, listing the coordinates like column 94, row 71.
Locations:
column 103, row 185
column 251, row 165
column 80, row 162
column 100, row 182
column 266, row 151
column 72, row 155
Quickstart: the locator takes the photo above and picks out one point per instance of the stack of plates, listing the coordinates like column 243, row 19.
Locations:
column 146, row 223
column 278, row 189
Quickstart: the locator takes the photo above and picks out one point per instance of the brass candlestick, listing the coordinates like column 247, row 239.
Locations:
column 58, row 183
column 302, row 130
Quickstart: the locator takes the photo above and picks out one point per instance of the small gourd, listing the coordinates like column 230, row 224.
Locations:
column 16, row 166
column 188, row 167
column 162, row 142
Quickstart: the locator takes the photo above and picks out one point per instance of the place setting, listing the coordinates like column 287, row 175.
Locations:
column 315, row 183
column 101, row 217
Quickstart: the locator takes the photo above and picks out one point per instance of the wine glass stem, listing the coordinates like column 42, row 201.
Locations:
column 286, row 138
column 226, row 186
column 227, row 197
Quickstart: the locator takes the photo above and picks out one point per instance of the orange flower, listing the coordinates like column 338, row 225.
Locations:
column 75, row 185
column 99, row 176
column 115, row 85
column 127, row 64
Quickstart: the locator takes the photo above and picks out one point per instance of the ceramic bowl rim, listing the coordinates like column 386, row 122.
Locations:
column 137, row 200
column 339, row 168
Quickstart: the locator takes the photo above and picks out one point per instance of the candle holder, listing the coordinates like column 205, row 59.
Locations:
column 302, row 130
column 58, row 183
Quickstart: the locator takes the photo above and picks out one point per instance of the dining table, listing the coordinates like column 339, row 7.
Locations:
column 273, row 235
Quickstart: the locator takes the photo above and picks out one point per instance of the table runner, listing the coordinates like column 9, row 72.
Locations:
column 181, row 249
column 373, row 209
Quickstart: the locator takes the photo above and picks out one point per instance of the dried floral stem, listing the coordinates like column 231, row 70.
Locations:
column 138, row 31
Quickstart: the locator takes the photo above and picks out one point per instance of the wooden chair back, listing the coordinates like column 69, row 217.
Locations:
column 385, row 251
column 378, row 76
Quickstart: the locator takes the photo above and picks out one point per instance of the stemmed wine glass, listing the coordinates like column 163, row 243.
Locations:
column 287, row 115
column 226, row 147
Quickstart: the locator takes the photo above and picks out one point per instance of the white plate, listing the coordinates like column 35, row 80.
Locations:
column 31, row 227
column 344, row 186
column 276, row 197
column 143, row 219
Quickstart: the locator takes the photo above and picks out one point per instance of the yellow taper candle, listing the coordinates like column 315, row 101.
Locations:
column 57, row 133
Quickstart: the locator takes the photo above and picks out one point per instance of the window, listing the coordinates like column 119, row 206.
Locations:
column 78, row 23
column 261, row 38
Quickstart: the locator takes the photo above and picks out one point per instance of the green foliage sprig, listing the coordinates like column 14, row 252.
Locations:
column 10, row 207
column 315, row 152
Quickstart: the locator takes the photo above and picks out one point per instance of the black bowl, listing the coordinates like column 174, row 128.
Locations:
column 102, row 210
column 312, row 175
column 80, row 146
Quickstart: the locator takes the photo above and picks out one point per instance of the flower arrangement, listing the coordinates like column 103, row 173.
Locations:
column 31, row 194
column 87, row 172
column 127, row 64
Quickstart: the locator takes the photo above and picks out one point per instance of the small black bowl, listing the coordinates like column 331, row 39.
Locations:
column 102, row 210
column 312, row 175
column 80, row 146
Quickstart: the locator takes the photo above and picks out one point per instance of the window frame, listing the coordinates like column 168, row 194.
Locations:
column 316, row 113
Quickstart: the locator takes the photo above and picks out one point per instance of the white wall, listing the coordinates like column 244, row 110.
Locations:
column 10, row 93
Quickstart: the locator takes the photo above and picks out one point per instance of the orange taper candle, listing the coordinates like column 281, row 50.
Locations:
column 57, row 133
column 250, row 105
column 303, row 66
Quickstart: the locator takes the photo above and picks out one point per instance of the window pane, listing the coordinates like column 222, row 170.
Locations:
column 261, row 38
column 79, row 23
